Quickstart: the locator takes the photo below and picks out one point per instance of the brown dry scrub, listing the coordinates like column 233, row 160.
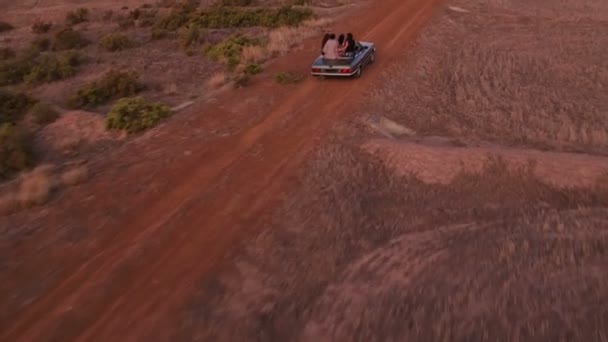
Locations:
column 508, row 73
column 361, row 253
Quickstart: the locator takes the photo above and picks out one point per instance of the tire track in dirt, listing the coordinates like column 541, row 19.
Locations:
column 180, row 256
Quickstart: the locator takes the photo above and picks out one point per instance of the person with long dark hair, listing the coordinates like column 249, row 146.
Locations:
column 349, row 45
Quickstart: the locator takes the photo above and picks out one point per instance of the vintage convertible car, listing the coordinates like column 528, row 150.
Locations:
column 346, row 66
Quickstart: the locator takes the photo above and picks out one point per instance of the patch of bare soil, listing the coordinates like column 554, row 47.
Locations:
column 441, row 164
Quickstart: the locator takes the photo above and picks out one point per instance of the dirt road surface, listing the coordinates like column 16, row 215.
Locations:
column 117, row 257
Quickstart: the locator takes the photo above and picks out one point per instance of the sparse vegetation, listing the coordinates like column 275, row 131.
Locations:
column 13, row 106
column 45, row 67
column 69, row 39
column 253, row 69
column 191, row 35
column 77, row 16
column 4, row 26
column 229, row 51
column 287, row 78
column 233, row 17
column 41, row 27
column 134, row 115
column 40, row 45
column 116, row 42
column 43, row 114
column 15, row 151
column 53, row 67
column 114, row 84
column 225, row 17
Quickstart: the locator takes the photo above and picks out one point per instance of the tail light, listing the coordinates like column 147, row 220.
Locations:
column 345, row 71
column 316, row 70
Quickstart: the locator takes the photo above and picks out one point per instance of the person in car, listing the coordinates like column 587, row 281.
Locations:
column 325, row 39
column 330, row 49
column 349, row 45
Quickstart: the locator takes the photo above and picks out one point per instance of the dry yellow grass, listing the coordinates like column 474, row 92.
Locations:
column 36, row 187
column 217, row 80
column 534, row 77
column 75, row 175
column 283, row 40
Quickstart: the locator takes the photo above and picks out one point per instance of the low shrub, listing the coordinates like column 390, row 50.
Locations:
column 229, row 51
column 116, row 42
column 13, row 106
column 253, row 69
column 68, row 39
column 15, row 151
column 43, row 114
column 158, row 33
column 40, row 27
column 135, row 115
column 4, row 26
column 77, row 16
column 178, row 17
column 52, row 67
column 240, row 80
column 40, row 45
column 147, row 18
column 125, row 22
column 6, row 53
column 222, row 17
column 191, row 35
column 287, row 78
column 14, row 71
column 114, row 84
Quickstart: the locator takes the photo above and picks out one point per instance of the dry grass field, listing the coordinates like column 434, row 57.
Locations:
column 468, row 202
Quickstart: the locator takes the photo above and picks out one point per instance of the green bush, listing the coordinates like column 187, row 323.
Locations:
column 6, row 53
column 229, row 51
column 15, row 151
column 68, row 39
column 135, row 115
column 116, row 42
column 43, row 114
column 4, row 26
column 287, row 78
column 114, row 84
column 267, row 17
column 13, row 106
column 253, row 69
column 40, row 27
column 76, row 17
column 52, row 67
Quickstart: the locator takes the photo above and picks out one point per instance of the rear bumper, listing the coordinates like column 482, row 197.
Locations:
column 333, row 74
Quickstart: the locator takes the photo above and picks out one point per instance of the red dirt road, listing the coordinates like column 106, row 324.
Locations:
column 146, row 256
